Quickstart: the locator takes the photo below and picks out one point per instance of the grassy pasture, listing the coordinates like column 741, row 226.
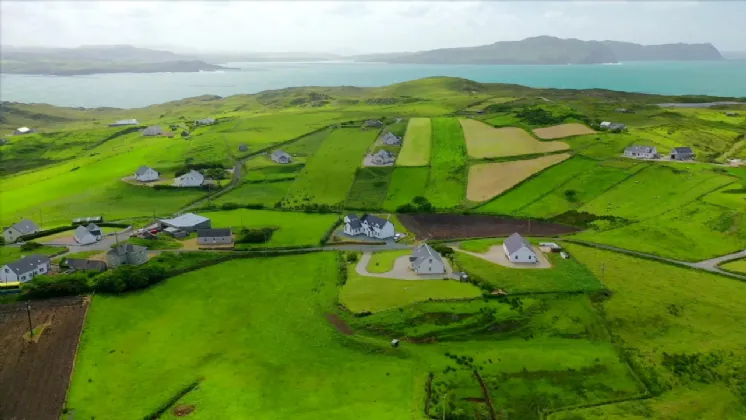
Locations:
column 446, row 186
column 405, row 184
column 266, row 193
column 649, row 193
column 273, row 173
column 381, row 262
column 707, row 142
column 562, row 131
column 416, row 145
column 737, row 266
column 9, row 254
column 491, row 101
column 731, row 196
column 484, row 141
column 370, row 188
column 564, row 276
column 487, row 180
column 535, row 188
column 330, row 172
column 659, row 309
column 375, row 294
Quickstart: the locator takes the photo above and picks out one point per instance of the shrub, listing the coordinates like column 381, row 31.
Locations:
column 351, row 257
column 443, row 250
column 30, row 246
column 255, row 236
column 41, row 287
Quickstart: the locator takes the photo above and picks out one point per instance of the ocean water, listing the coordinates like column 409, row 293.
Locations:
column 126, row 90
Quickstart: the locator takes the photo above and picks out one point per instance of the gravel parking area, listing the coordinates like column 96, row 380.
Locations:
column 496, row 255
column 401, row 270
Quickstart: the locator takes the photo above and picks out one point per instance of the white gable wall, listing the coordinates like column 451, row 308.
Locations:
column 149, row 175
column 522, row 255
column 11, row 235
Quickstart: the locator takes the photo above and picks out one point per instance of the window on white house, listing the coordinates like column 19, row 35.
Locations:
column 41, row 270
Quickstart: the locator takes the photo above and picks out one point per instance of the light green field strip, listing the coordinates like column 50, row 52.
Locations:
column 416, row 148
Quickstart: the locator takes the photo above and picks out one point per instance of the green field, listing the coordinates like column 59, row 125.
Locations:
column 416, row 146
column 446, row 187
column 370, row 188
column 737, row 266
column 381, row 262
column 293, row 229
column 329, row 173
column 406, row 183
column 265, row 193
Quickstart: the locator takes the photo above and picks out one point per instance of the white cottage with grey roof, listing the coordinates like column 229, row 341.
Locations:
column 368, row 225
column 153, row 130
column 280, row 157
column 25, row 269
column 22, row 228
column 146, row 174
column 189, row 179
column 425, row 260
column 641, row 152
column 519, row 250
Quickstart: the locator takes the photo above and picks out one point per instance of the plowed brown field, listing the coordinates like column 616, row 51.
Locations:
column 455, row 226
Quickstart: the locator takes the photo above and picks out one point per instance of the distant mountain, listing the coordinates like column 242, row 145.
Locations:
column 551, row 50
column 734, row 55
column 627, row 51
column 110, row 53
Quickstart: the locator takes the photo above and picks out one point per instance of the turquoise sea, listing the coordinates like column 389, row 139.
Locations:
column 717, row 78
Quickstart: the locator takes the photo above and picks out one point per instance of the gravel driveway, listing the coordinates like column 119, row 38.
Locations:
column 496, row 255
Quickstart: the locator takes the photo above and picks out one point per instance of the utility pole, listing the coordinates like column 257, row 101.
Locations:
column 28, row 311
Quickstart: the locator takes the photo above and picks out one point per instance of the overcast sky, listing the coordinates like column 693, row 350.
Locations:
column 359, row 27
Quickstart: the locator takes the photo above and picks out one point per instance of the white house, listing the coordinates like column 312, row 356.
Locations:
column 280, row 157
column 383, row 157
column 190, row 179
column 120, row 123
column 641, row 152
column 368, row 225
column 425, row 260
column 146, row 174
column 221, row 236
column 83, row 236
column 24, row 227
column 391, row 139
column 25, row 269
column 23, row 130
column 519, row 250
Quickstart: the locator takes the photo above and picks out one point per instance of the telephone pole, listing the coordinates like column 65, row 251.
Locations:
column 30, row 326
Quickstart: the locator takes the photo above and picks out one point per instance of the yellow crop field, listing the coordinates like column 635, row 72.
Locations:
column 416, row 148
column 485, row 141
column 562, row 130
column 487, row 180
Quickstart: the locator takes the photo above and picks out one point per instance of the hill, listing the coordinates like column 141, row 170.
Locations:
column 627, row 51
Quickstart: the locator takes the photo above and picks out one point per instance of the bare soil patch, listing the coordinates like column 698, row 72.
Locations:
column 487, row 180
column 34, row 384
column 182, row 410
column 339, row 324
column 562, row 130
column 460, row 226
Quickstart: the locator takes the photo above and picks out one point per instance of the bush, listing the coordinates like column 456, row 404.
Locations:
column 351, row 257
column 419, row 204
column 41, row 287
column 255, row 236
column 30, row 246
column 443, row 250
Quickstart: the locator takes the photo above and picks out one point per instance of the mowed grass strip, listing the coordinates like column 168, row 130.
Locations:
column 416, row 148
column 382, row 262
column 562, row 130
column 406, row 183
column 485, row 141
column 737, row 266
column 487, row 180
column 330, row 172
column 446, row 186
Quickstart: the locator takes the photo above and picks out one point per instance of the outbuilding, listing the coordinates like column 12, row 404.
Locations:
column 682, row 153
column 121, row 123
column 153, row 130
column 79, row 264
column 23, row 130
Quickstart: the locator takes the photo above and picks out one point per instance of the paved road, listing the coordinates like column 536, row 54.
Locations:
column 103, row 245
column 707, row 265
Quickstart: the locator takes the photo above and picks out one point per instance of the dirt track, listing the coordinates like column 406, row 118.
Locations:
column 34, row 376
column 459, row 226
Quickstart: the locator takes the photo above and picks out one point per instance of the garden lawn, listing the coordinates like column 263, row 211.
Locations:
column 295, row 229
column 406, row 183
column 737, row 266
column 485, row 141
column 446, row 186
column 329, row 173
column 370, row 188
column 562, row 130
column 374, row 294
column 660, row 314
column 487, row 180
column 11, row 253
column 564, row 276
column 416, row 146
column 266, row 351
column 382, row 262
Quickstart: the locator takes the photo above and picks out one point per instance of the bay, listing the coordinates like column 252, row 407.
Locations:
column 130, row 90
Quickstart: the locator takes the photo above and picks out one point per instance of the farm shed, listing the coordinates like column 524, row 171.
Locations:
column 731, row 114
column 188, row 222
column 84, row 220
column 243, row 148
column 21, row 228
column 641, row 152
column 120, row 123
column 519, row 250
column 220, row 236
column 79, row 264
column 146, row 174
column 613, row 126
column 280, row 157
column 205, row 121
column 373, row 123
column 682, row 153
column 425, row 260
column 127, row 254
column 25, row 269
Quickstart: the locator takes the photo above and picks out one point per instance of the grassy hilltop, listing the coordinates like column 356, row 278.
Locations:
column 600, row 335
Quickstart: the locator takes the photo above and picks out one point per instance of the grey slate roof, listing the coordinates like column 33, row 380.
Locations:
column 185, row 220
column 25, row 226
column 121, row 250
column 640, row 149
column 81, row 231
column 683, row 150
column 385, row 154
column 153, row 130
column 355, row 224
column 26, row 264
column 421, row 252
column 93, row 227
column 352, row 216
column 374, row 220
column 214, row 233
column 279, row 153
column 81, row 264
column 141, row 170
column 516, row 242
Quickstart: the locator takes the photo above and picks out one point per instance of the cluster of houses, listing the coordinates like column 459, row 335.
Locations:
column 651, row 152
column 190, row 179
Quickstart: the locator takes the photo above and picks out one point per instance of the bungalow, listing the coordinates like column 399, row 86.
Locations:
column 207, row 237
column 682, row 153
column 83, row 236
column 280, row 157
column 120, row 123
column 391, row 139
column 153, row 130
column 519, row 250
column 188, row 222
column 23, row 130
column 373, row 123
column 368, row 225
column 383, row 157
column 79, row 264
column 127, row 254
column 616, row 127
column 146, row 174
column 25, row 269
column 189, row 179
column 205, row 121
column 641, row 152
column 22, row 228
column 425, row 260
